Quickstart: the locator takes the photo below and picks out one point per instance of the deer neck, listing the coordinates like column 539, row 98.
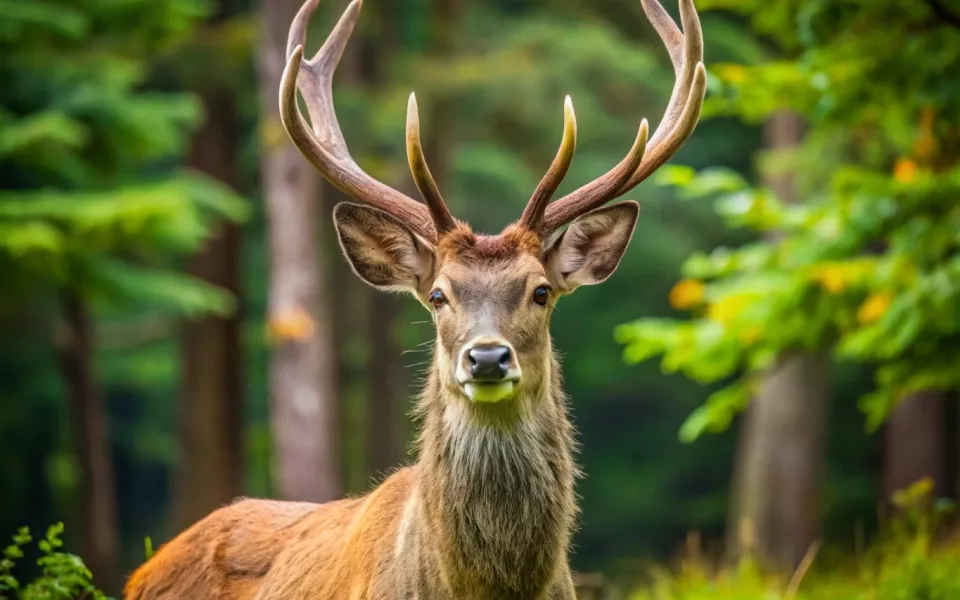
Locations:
column 496, row 486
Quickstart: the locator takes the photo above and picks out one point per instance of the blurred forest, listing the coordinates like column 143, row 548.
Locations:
column 179, row 328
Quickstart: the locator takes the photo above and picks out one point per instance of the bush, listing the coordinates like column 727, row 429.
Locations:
column 62, row 576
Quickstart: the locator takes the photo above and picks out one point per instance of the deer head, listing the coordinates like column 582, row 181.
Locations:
column 491, row 296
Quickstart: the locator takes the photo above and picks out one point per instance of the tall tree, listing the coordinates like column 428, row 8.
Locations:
column 98, row 501
column 210, row 419
column 303, row 358
column 385, row 435
column 776, row 481
column 915, row 445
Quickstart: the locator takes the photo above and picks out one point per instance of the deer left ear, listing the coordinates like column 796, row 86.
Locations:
column 590, row 249
column 383, row 251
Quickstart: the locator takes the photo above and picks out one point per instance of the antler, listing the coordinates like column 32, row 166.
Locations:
column 325, row 147
column 533, row 213
column 679, row 120
column 442, row 219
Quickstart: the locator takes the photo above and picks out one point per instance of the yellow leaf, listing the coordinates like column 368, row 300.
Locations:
column 874, row 307
column 293, row 324
column 832, row 278
column 905, row 170
column 750, row 335
column 686, row 294
column 727, row 309
column 914, row 494
column 731, row 72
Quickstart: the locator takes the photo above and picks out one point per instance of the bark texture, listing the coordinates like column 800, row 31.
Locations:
column 775, row 497
column 97, row 502
column 776, row 504
column 209, row 474
column 385, row 444
column 302, row 363
column 914, row 445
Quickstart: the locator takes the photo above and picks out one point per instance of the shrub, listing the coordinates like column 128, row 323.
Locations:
column 63, row 576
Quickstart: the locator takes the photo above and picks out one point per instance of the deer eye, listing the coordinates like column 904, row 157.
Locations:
column 541, row 294
column 436, row 298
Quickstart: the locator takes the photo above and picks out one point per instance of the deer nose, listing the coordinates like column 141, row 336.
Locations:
column 489, row 363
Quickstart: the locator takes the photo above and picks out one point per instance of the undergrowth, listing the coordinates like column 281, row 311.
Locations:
column 911, row 560
column 63, row 576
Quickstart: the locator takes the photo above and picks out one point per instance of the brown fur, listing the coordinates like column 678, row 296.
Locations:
column 487, row 511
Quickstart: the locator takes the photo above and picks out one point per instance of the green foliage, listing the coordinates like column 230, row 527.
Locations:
column 147, row 548
column 907, row 562
column 87, row 200
column 868, row 264
column 63, row 576
column 94, row 203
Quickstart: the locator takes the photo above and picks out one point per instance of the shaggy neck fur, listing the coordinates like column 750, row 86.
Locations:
column 496, row 488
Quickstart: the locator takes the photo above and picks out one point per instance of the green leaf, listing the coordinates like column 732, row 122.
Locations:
column 116, row 280
column 717, row 412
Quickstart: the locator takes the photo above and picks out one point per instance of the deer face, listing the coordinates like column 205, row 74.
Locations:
column 491, row 297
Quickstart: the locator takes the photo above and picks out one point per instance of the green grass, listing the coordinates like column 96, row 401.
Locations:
column 912, row 559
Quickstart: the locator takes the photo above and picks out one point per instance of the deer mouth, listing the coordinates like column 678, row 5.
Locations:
column 490, row 391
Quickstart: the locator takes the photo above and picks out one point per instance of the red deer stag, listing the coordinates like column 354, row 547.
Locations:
column 487, row 510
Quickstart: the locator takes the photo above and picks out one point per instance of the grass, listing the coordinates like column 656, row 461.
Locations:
column 912, row 559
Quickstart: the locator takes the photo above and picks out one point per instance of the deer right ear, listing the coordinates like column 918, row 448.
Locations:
column 588, row 251
column 382, row 250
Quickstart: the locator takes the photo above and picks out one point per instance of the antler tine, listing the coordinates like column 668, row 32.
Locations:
column 533, row 213
column 325, row 146
column 679, row 119
column 566, row 209
column 686, row 100
column 442, row 219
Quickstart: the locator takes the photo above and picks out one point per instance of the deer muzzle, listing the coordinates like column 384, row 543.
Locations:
column 488, row 371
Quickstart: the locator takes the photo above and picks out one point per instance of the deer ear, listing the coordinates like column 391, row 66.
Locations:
column 382, row 250
column 589, row 250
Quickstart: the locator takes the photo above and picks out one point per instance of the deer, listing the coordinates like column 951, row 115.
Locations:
column 488, row 509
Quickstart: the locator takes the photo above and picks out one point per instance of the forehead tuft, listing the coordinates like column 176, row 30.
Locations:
column 464, row 246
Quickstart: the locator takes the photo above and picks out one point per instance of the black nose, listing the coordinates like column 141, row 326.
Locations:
column 489, row 363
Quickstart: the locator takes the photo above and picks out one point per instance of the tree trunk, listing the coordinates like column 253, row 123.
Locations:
column 210, row 470
column 385, row 444
column 774, row 510
column 98, row 502
column 351, row 334
column 306, row 455
column 914, row 445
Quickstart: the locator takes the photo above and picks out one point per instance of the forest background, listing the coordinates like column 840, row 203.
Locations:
column 774, row 360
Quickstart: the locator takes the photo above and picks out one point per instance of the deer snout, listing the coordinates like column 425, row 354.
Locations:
column 489, row 363
column 488, row 371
